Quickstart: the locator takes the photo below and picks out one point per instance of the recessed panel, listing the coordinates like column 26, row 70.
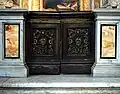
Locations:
column 11, row 40
column 108, row 41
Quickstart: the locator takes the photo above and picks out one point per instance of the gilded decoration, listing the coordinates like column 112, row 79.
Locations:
column 11, row 41
column 51, row 5
column 58, row 5
column 25, row 4
column 84, row 4
column 108, row 41
column 36, row 5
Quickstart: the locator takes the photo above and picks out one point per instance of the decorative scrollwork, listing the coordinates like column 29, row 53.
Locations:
column 78, row 42
column 43, row 42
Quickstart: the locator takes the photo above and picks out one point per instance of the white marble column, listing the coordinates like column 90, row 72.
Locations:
column 106, row 65
column 12, row 67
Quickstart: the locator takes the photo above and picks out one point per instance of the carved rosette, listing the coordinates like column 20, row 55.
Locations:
column 78, row 42
column 43, row 42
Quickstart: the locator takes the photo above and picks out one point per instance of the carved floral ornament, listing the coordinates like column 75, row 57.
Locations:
column 43, row 42
column 78, row 42
column 110, row 3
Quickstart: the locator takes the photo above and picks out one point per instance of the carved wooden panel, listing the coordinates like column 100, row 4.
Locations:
column 44, row 69
column 77, row 42
column 76, row 68
column 44, row 42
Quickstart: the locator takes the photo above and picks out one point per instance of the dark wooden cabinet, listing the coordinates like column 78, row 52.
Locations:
column 61, row 42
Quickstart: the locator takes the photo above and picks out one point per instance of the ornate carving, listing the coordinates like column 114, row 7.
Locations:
column 9, row 3
column 78, row 42
column 111, row 3
column 43, row 42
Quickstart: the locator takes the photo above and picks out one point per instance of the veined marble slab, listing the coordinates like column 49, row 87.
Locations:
column 62, row 81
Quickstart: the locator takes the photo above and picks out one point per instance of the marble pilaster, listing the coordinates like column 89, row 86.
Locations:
column 12, row 67
column 106, row 67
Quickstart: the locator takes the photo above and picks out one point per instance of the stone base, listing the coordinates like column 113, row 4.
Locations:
column 60, row 84
column 106, row 70
column 13, row 71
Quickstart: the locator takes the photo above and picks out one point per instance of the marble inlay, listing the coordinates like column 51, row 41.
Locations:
column 11, row 40
column 108, row 41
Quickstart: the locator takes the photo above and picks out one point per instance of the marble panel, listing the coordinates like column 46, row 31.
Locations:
column 11, row 42
column 108, row 45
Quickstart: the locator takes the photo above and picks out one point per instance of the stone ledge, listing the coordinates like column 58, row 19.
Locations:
column 13, row 10
column 61, row 91
column 63, row 81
